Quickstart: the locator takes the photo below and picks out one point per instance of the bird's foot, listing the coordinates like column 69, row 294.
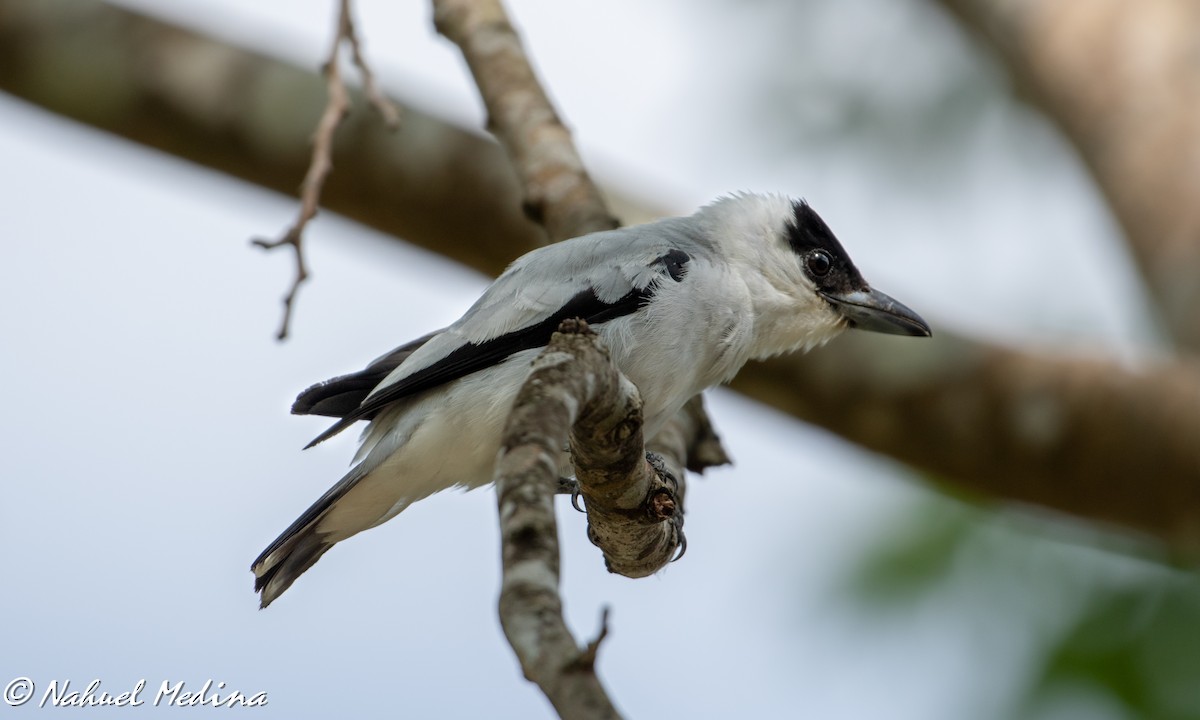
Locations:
column 666, row 502
column 570, row 486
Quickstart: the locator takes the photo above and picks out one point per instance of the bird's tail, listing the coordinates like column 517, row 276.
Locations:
column 285, row 560
column 301, row 545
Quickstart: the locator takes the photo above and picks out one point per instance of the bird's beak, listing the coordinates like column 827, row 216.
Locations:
column 877, row 312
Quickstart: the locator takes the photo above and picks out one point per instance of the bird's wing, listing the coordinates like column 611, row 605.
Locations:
column 597, row 278
column 342, row 395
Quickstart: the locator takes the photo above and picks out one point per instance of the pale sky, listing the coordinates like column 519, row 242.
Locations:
column 149, row 453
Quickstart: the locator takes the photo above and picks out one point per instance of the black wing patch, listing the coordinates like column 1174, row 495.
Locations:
column 344, row 394
column 675, row 262
column 473, row 357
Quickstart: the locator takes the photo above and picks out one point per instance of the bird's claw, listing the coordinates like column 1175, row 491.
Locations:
column 570, row 486
column 682, row 545
column 672, row 483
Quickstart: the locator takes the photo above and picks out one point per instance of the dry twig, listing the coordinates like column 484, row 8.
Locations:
column 386, row 108
column 336, row 108
column 588, row 658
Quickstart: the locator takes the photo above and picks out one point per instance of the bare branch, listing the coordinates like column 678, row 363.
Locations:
column 587, row 659
column 558, row 192
column 574, row 391
column 293, row 238
column 194, row 97
column 336, row 108
column 386, row 108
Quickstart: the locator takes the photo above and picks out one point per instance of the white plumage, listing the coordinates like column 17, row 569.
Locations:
column 680, row 303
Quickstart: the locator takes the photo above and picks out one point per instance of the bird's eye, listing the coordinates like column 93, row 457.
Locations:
column 819, row 263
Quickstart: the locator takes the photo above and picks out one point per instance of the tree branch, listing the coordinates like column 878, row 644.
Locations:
column 627, row 504
column 574, row 392
column 1082, row 436
column 558, row 192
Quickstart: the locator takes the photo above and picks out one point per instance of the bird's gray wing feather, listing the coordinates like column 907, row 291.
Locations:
column 342, row 395
column 597, row 277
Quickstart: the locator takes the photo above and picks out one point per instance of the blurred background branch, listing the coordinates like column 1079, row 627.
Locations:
column 1120, row 80
column 1092, row 438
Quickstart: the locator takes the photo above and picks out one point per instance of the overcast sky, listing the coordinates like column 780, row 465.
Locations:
column 149, row 454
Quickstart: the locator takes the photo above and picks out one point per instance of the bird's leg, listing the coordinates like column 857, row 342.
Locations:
column 665, row 502
column 664, row 473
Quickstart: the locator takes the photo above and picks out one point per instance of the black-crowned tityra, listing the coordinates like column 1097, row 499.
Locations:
column 681, row 304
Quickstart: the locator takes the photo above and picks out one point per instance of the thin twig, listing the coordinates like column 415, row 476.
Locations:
column 386, row 108
column 587, row 658
column 336, row 109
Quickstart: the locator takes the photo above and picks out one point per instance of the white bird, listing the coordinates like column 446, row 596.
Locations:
column 680, row 303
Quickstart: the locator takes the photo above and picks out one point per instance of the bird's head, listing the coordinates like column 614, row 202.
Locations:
column 802, row 283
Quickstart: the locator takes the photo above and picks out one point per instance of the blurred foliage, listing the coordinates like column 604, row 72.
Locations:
column 1139, row 643
column 916, row 555
column 1103, row 617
